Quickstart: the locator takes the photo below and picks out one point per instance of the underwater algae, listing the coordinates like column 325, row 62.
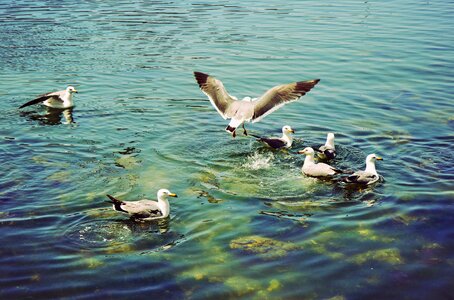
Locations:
column 266, row 248
column 390, row 255
column 60, row 176
column 127, row 162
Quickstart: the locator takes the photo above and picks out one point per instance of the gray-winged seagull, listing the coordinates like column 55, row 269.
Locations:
column 145, row 209
column 369, row 175
column 327, row 151
column 249, row 110
column 279, row 142
column 311, row 168
column 60, row 99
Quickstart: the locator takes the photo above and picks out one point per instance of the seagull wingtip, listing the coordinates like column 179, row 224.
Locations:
column 200, row 74
column 200, row 77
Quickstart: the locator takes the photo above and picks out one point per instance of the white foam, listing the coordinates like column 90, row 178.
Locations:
column 258, row 161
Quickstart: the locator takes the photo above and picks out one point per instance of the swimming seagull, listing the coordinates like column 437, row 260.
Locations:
column 249, row 110
column 279, row 142
column 145, row 209
column 327, row 151
column 60, row 99
column 311, row 168
column 369, row 175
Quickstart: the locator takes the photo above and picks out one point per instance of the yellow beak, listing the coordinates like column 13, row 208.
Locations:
column 379, row 158
column 292, row 131
column 301, row 152
column 75, row 91
column 173, row 195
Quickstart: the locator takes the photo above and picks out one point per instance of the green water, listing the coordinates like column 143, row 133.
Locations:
column 246, row 223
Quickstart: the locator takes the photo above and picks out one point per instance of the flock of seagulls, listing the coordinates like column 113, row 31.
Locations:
column 238, row 111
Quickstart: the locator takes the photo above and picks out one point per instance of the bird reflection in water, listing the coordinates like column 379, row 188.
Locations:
column 158, row 226
column 51, row 116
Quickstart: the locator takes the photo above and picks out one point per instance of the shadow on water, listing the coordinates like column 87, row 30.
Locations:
column 51, row 116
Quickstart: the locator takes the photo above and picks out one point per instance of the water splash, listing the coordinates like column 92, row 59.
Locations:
column 257, row 161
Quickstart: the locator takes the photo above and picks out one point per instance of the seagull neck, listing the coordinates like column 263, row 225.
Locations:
column 68, row 99
column 287, row 138
column 329, row 143
column 309, row 160
column 370, row 167
column 164, row 206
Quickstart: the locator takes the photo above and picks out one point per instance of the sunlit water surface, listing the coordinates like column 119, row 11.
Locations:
column 247, row 223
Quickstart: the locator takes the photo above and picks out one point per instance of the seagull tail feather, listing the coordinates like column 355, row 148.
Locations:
column 117, row 203
column 338, row 171
column 231, row 130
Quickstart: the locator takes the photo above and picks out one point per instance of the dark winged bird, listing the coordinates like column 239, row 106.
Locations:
column 369, row 175
column 249, row 110
column 145, row 209
column 327, row 151
column 60, row 99
column 285, row 141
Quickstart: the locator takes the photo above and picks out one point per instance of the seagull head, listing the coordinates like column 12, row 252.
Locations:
column 164, row 193
column 373, row 158
column 287, row 129
column 70, row 89
column 307, row 151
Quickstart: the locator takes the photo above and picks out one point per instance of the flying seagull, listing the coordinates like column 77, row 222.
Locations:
column 369, row 175
column 327, row 151
column 60, row 99
column 311, row 168
column 279, row 142
column 249, row 110
column 145, row 209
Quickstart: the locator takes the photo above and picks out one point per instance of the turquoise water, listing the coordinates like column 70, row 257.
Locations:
column 247, row 223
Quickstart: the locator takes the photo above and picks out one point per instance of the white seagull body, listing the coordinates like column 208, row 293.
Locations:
column 327, row 151
column 60, row 99
column 311, row 168
column 249, row 110
column 279, row 142
column 369, row 175
column 145, row 209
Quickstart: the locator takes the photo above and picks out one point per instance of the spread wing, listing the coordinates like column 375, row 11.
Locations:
column 42, row 98
column 218, row 95
column 280, row 95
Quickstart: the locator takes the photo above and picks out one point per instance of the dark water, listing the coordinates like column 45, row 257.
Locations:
column 247, row 223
